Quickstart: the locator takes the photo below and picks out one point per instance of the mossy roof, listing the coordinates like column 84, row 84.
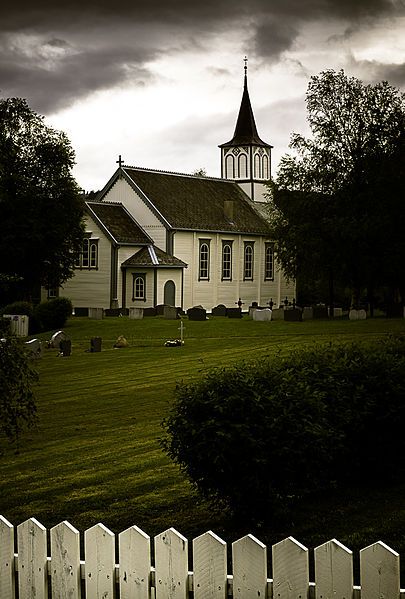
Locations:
column 118, row 223
column 152, row 256
column 198, row 203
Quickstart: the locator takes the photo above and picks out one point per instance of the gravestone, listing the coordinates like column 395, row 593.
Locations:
column 18, row 324
column 34, row 347
column 96, row 313
column 307, row 313
column 277, row 314
column 116, row 312
column 57, row 338
column 337, row 312
column 234, row 313
column 197, row 313
column 170, row 312
column 357, row 314
column 149, row 311
column 320, row 312
column 219, row 310
column 293, row 315
column 136, row 313
column 95, row 344
column 78, row 311
column 262, row 315
column 65, row 347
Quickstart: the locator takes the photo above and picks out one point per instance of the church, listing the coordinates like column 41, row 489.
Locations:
column 155, row 237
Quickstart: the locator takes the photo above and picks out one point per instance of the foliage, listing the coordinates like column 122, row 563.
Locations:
column 20, row 307
column 40, row 206
column 337, row 204
column 256, row 437
column 53, row 314
column 17, row 377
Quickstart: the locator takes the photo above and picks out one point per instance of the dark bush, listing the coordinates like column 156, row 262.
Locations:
column 19, row 308
column 258, row 437
column 53, row 313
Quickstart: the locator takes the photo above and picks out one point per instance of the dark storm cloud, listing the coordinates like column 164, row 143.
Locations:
column 54, row 53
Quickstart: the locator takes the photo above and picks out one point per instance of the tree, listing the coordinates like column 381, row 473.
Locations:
column 41, row 208
column 17, row 376
column 349, row 177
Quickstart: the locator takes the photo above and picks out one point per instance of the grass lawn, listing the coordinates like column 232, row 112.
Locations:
column 94, row 454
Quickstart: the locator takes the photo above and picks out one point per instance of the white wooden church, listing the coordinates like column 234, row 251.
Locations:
column 156, row 237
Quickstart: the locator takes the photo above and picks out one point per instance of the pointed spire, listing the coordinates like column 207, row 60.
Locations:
column 245, row 129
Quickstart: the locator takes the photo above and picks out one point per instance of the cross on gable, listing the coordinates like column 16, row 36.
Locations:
column 120, row 161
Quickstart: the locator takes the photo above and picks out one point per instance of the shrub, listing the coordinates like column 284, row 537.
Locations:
column 258, row 437
column 19, row 308
column 53, row 313
column 17, row 404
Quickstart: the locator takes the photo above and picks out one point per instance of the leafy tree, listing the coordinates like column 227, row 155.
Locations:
column 40, row 205
column 17, row 377
column 340, row 194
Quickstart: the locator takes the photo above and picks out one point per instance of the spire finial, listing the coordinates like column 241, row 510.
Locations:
column 245, row 60
column 120, row 161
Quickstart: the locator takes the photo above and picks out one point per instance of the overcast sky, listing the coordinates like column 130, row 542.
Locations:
column 160, row 81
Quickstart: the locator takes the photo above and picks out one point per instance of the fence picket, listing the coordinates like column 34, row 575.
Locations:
column 379, row 572
column 171, row 563
column 135, row 564
column 99, row 548
column 209, row 567
column 65, row 561
column 333, row 571
column 32, row 560
column 249, row 557
column 290, row 570
column 6, row 559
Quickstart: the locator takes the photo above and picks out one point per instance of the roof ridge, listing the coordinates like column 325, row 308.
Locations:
column 155, row 170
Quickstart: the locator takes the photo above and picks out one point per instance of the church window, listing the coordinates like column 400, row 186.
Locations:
column 139, row 287
column 257, row 164
column 230, row 167
column 269, row 262
column 88, row 256
column 266, row 174
column 248, row 261
column 243, row 166
column 227, row 260
column 204, row 260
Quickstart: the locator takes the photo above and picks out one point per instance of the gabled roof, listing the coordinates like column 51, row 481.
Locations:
column 245, row 131
column 152, row 256
column 118, row 223
column 195, row 203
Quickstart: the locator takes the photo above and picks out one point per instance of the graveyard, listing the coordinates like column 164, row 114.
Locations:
column 94, row 454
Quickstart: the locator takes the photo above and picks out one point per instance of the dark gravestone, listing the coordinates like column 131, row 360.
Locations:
column 81, row 311
column 293, row 315
column 219, row 310
column 65, row 347
column 116, row 312
column 149, row 311
column 320, row 312
column 234, row 313
column 95, row 344
column 160, row 309
column 197, row 313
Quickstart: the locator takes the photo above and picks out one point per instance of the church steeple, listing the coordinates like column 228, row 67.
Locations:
column 246, row 157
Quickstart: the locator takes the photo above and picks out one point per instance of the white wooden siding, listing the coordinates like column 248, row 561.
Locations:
column 123, row 193
column 91, row 287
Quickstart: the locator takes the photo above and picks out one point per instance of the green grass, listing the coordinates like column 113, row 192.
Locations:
column 94, row 455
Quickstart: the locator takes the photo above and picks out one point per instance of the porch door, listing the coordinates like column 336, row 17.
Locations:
column 169, row 293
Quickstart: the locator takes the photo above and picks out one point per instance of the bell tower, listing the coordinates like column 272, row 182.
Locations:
column 246, row 158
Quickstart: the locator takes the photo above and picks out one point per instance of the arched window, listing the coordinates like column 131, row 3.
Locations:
column 139, row 287
column 85, row 253
column 269, row 262
column 204, row 260
column 242, row 166
column 257, row 163
column 248, row 261
column 93, row 255
column 266, row 174
column 226, row 260
column 230, row 167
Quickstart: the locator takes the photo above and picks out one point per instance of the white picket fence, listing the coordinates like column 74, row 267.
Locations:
column 29, row 574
